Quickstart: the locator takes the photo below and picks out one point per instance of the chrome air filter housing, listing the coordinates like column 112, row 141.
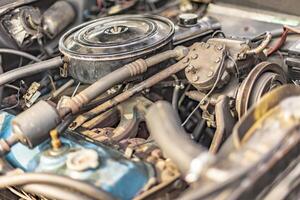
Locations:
column 101, row 46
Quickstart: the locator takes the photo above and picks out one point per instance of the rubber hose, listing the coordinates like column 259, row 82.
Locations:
column 53, row 192
column 29, row 70
column 164, row 126
column 43, row 178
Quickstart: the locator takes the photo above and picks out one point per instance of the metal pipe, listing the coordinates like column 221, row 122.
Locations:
column 118, row 76
column 62, row 88
column 173, row 69
column 224, row 121
column 31, row 69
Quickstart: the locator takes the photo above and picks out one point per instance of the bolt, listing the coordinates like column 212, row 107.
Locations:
column 186, row 60
column 219, row 47
column 195, row 78
column 210, row 73
column 195, row 56
column 191, row 69
column 218, row 60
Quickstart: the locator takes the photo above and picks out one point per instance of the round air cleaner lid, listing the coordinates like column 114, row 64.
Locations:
column 117, row 37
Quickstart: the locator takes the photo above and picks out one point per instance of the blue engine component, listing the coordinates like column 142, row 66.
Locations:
column 82, row 160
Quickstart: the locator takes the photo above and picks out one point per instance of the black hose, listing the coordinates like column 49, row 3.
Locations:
column 31, row 69
column 59, row 181
column 164, row 126
column 19, row 53
column 53, row 192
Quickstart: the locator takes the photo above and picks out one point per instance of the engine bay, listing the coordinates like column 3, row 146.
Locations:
column 149, row 99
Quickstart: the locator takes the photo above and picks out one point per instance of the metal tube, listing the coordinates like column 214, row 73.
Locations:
column 135, row 68
column 62, row 88
column 130, row 92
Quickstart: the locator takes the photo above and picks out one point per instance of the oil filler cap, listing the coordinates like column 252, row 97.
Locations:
column 82, row 160
column 188, row 19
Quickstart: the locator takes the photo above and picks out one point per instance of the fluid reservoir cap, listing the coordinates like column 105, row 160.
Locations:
column 188, row 19
column 82, row 160
column 117, row 37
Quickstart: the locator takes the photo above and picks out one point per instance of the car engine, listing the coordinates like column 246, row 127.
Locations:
column 149, row 99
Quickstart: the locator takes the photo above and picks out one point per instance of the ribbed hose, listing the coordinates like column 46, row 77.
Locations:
column 164, row 126
column 118, row 76
column 29, row 70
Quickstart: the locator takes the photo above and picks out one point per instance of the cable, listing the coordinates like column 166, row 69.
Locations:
column 13, row 106
column 208, row 94
column 76, row 89
column 52, row 179
column 286, row 31
column 19, row 53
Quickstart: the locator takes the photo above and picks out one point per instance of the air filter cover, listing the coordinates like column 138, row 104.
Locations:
column 98, row 47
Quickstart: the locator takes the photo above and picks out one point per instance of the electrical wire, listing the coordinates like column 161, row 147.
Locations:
column 19, row 53
column 18, row 101
column 286, row 31
column 75, row 91
column 220, row 72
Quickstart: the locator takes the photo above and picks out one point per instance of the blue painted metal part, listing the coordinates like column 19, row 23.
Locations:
column 115, row 174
